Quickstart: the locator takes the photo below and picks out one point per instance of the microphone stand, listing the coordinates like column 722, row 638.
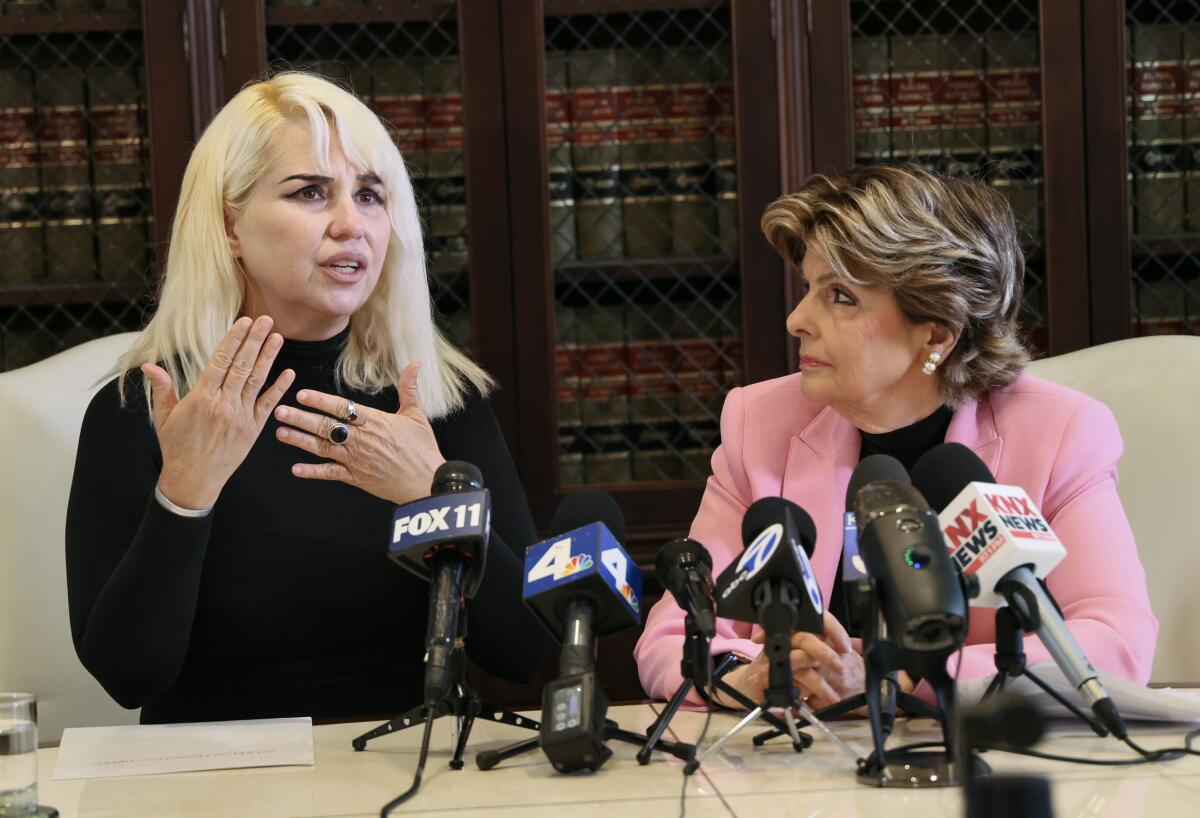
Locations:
column 575, row 664
column 461, row 702
column 881, row 665
column 1012, row 623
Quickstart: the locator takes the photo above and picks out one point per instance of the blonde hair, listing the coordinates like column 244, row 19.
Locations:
column 202, row 290
column 945, row 247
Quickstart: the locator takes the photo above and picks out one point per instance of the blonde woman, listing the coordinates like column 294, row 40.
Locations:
column 233, row 489
column 908, row 339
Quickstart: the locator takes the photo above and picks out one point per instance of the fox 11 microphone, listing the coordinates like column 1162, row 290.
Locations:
column 443, row 539
column 995, row 532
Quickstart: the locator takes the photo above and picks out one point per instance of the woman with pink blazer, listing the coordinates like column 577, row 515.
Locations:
column 908, row 338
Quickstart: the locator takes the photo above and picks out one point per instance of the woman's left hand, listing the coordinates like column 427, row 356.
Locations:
column 393, row 456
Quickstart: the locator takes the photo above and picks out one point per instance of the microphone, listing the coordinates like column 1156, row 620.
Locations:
column 996, row 533
column 443, row 539
column 581, row 584
column 684, row 567
column 900, row 542
column 854, row 570
column 772, row 584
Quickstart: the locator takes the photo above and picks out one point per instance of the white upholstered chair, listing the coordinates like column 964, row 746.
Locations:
column 41, row 408
column 1152, row 385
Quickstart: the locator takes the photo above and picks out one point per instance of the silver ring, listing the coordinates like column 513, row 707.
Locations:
column 351, row 412
column 339, row 433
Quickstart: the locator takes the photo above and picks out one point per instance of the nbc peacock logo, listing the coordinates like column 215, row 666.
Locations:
column 627, row 592
column 577, row 563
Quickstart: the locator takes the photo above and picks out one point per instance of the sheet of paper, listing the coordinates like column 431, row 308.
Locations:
column 1136, row 703
column 147, row 749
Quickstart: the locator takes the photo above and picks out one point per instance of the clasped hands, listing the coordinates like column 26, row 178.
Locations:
column 205, row 435
column 826, row 669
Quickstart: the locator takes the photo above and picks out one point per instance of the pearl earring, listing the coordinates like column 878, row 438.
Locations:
column 931, row 363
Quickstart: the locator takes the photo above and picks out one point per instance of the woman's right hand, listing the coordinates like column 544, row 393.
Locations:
column 816, row 662
column 207, row 434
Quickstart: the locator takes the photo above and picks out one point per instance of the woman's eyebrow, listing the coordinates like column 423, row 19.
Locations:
column 307, row 177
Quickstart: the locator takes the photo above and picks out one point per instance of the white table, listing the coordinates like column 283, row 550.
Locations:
column 738, row 780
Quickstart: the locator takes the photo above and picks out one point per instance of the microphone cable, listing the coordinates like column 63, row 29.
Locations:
column 1146, row 756
column 416, row 784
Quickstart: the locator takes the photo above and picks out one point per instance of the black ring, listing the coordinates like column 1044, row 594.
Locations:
column 339, row 433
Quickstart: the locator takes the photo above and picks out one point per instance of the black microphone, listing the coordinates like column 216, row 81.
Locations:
column 684, row 567
column 443, row 538
column 772, row 584
column 900, row 541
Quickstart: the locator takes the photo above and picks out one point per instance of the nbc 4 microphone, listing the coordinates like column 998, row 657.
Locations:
column 996, row 533
column 443, row 539
column 582, row 585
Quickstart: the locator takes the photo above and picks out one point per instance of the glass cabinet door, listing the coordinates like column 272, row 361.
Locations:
column 402, row 59
column 76, row 225
column 644, row 238
column 956, row 87
column 1163, row 132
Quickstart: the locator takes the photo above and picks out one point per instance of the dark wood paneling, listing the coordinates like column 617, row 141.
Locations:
column 795, row 138
column 169, row 107
column 244, row 43
column 202, row 38
column 759, row 169
column 428, row 10
column 1065, row 177
column 831, row 86
column 56, row 23
column 1107, row 164
column 524, row 47
column 486, row 161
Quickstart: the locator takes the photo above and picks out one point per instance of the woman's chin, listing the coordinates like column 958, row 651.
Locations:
column 817, row 385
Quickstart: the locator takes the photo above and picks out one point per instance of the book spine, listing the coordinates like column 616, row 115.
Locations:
column 916, row 119
column 20, row 218
column 563, row 243
column 1014, row 117
column 964, row 124
column 872, row 99
column 66, row 203
column 596, row 154
column 446, row 191
column 118, row 159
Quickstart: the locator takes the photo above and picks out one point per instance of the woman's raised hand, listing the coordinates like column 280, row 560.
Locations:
column 393, row 456
column 207, row 434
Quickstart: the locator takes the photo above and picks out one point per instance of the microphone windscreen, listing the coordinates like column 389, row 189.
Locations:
column 767, row 511
column 871, row 470
column 671, row 553
column 945, row 470
column 456, row 475
column 582, row 508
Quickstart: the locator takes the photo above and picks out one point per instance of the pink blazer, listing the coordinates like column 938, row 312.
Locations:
column 1059, row 445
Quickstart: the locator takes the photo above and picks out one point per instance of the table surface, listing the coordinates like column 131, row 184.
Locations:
column 738, row 780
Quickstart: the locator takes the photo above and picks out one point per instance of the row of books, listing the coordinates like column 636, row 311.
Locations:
column 653, row 452
column 641, row 153
column 1164, row 133
column 601, row 401
column 962, row 104
column 74, row 201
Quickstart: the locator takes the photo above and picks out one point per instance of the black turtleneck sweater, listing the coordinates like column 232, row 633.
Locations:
column 282, row 601
column 906, row 445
